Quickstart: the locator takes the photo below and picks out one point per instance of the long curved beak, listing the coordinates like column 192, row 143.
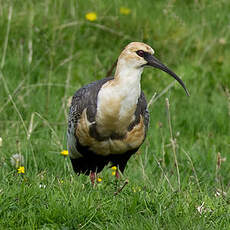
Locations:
column 152, row 61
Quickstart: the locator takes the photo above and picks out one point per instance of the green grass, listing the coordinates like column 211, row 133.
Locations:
column 48, row 50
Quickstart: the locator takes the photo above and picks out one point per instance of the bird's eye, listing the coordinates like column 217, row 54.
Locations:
column 140, row 53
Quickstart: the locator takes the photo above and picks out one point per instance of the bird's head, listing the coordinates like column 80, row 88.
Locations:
column 134, row 54
column 138, row 55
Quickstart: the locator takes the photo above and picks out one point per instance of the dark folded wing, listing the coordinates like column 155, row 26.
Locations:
column 141, row 110
column 85, row 97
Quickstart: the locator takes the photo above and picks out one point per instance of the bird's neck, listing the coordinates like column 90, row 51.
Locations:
column 117, row 101
column 128, row 77
column 127, row 82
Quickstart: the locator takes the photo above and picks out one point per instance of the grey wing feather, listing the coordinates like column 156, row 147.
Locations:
column 85, row 97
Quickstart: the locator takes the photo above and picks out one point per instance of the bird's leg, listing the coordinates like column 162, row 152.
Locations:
column 92, row 177
column 121, row 188
column 117, row 174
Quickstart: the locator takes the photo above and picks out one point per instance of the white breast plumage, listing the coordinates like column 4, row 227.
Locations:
column 117, row 101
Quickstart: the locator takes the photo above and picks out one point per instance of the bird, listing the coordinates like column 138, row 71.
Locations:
column 108, row 118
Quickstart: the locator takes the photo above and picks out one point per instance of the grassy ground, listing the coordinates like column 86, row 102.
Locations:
column 48, row 50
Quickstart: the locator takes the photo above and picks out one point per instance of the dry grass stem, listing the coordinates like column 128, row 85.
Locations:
column 162, row 170
column 12, row 101
column 30, row 41
column 146, row 178
column 172, row 141
column 53, row 131
column 7, row 36
column 165, row 90
column 193, row 169
column 30, row 129
column 96, row 25
column 109, row 73
column 219, row 161
column 228, row 98
column 19, row 87
column 65, row 99
column 151, row 100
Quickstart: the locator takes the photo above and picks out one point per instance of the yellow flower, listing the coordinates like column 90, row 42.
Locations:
column 114, row 168
column 113, row 173
column 125, row 11
column 99, row 179
column 64, row 152
column 91, row 16
column 136, row 189
column 21, row 169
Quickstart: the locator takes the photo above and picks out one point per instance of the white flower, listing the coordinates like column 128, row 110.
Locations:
column 201, row 209
column 42, row 186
